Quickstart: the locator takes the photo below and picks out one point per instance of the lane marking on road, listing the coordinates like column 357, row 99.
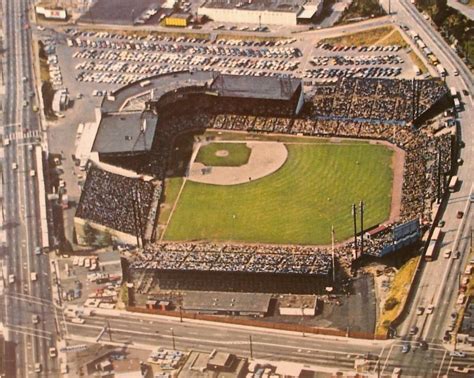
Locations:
column 386, row 359
column 450, row 362
column 198, row 340
column 442, row 363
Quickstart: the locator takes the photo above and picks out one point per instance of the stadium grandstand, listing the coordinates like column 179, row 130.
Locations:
column 355, row 108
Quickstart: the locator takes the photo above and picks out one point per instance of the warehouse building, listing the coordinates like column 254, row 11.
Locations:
column 261, row 12
column 178, row 19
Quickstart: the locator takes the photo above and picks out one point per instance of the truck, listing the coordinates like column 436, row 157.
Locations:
column 413, row 34
column 457, row 104
column 64, row 201
column 441, row 70
column 453, row 92
column 453, row 183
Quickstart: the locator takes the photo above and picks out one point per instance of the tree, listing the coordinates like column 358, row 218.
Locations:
column 105, row 239
column 390, row 303
column 90, row 234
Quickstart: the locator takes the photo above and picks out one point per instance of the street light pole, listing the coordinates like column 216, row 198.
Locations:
column 172, row 337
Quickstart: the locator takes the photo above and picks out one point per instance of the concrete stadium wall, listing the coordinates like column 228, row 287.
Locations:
column 120, row 236
column 249, row 16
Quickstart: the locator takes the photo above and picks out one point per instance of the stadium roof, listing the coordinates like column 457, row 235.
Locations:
column 260, row 87
column 159, row 85
column 262, row 5
column 125, row 133
column 226, row 301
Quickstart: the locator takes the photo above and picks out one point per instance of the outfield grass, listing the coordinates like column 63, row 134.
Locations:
column 313, row 190
column 238, row 154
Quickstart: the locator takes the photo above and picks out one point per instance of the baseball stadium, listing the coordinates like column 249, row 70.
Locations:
column 214, row 176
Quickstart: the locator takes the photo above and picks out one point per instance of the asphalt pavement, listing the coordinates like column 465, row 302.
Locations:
column 25, row 297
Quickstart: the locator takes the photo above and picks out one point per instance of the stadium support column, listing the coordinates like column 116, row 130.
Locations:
column 134, row 204
column 361, row 227
column 354, row 217
column 439, row 174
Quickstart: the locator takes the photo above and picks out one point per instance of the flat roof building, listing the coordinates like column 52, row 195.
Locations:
column 261, row 12
column 226, row 303
column 125, row 134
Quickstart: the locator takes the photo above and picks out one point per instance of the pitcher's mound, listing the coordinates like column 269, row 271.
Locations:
column 222, row 153
column 265, row 158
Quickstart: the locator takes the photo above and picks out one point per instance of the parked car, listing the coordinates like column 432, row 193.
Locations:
column 406, row 348
column 413, row 330
column 457, row 353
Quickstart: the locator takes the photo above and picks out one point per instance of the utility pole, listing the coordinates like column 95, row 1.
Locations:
column 251, row 348
column 172, row 337
column 354, row 217
column 439, row 174
column 109, row 331
column 361, row 227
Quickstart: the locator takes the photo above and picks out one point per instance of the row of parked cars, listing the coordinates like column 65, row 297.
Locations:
column 361, row 72
column 331, row 47
column 166, row 37
column 356, row 60
column 55, row 75
column 216, row 48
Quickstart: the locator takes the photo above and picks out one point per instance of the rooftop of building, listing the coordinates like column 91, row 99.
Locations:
column 259, row 87
column 297, row 301
column 125, row 133
column 226, row 301
column 257, row 5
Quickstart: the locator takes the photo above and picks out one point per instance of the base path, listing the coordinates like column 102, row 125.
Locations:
column 265, row 158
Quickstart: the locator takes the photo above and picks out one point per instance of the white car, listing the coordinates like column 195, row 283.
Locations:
column 78, row 320
column 53, row 352
column 457, row 353
column 38, row 367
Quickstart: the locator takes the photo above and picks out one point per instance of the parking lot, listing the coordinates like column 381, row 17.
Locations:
column 114, row 59
column 91, row 279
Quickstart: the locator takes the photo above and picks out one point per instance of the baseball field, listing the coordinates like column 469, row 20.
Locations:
column 297, row 204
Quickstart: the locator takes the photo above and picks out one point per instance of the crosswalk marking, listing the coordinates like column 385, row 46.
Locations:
column 22, row 135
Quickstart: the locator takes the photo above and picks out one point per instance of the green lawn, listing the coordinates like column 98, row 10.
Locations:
column 238, row 154
column 297, row 204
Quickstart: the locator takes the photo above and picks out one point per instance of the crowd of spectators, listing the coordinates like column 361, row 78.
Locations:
column 234, row 258
column 375, row 99
column 115, row 201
